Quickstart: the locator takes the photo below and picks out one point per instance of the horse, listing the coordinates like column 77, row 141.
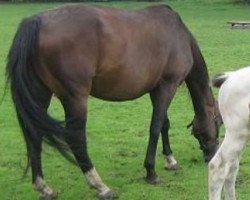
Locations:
column 234, row 105
column 113, row 54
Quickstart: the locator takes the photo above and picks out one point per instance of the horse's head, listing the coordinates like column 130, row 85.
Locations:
column 207, row 132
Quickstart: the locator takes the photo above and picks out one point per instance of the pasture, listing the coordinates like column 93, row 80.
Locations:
column 118, row 132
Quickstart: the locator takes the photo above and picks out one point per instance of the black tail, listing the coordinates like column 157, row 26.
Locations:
column 20, row 72
column 219, row 79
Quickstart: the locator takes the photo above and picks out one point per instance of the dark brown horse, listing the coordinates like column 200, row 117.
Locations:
column 117, row 55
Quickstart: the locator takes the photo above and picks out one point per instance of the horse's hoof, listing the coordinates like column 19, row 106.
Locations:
column 172, row 167
column 111, row 194
column 153, row 180
column 47, row 196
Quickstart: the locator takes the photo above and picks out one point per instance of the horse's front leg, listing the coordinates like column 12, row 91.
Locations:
column 161, row 97
column 171, row 163
column 76, row 112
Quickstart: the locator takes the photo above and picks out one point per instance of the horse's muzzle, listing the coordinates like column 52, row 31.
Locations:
column 210, row 151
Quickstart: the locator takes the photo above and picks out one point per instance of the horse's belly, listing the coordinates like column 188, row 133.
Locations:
column 119, row 89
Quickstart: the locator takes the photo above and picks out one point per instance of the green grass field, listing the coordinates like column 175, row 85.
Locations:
column 118, row 132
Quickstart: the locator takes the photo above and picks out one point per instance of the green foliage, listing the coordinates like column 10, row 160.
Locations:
column 118, row 132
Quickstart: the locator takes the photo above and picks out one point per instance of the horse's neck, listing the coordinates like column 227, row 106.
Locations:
column 201, row 94
column 204, row 103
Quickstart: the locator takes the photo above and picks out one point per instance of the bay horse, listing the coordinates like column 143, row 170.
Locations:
column 234, row 105
column 75, row 51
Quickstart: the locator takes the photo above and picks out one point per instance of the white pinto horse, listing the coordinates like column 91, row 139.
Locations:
column 234, row 105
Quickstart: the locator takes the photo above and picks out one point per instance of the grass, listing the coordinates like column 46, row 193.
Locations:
column 118, row 132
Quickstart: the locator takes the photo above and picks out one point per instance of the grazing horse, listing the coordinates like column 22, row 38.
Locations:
column 234, row 105
column 75, row 51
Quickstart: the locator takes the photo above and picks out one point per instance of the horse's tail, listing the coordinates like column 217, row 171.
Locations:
column 25, row 84
column 219, row 79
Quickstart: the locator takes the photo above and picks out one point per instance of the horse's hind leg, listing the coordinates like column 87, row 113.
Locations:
column 161, row 97
column 217, row 175
column 229, row 185
column 34, row 147
column 76, row 115
column 171, row 163
column 236, row 149
column 223, row 167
